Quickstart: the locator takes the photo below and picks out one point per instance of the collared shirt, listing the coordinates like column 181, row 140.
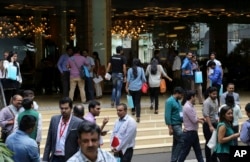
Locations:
column 62, row 63
column 235, row 95
column 215, row 77
column 190, row 119
column 102, row 156
column 187, row 65
column 176, row 63
column 244, row 132
column 210, row 109
column 75, row 62
column 90, row 117
column 91, row 62
column 61, row 137
column 135, row 83
column 24, row 147
column 217, row 63
column 173, row 111
column 125, row 130
column 6, row 114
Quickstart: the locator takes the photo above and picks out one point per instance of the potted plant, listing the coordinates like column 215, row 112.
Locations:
column 5, row 153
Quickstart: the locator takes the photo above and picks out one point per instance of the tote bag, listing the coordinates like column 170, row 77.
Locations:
column 11, row 73
column 163, row 86
column 198, row 77
column 212, row 141
column 130, row 101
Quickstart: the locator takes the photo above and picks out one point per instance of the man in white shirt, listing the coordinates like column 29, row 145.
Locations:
column 210, row 70
column 176, row 68
column 88, row 140
column 124, row 134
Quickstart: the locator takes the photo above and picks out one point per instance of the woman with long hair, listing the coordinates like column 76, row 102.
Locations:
column 225, row 133
column 11, row 85
column 96, row 70
column 229, row 101
column 154, row 72
column 135, row 79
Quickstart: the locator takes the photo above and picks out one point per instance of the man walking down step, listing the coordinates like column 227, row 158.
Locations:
column 173, row 118
column 123, row 135
column 62, row 141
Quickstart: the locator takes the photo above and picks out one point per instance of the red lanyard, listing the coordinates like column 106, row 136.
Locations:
column 62, row 128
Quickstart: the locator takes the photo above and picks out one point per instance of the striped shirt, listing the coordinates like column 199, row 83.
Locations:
column 102, row 156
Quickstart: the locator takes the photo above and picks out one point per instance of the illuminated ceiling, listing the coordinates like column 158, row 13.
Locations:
column 190, row 10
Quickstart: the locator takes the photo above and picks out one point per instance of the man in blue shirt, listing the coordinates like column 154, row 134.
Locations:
column 173, row 118
column 24, row 147
column 62, row 67
column 187, row 71
column 216, row 77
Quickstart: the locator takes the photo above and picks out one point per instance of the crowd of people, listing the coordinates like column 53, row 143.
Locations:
column 75, row 136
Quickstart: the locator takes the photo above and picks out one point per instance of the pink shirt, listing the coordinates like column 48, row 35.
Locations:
column 74, row 63
column 190, row 119
column 90, row 118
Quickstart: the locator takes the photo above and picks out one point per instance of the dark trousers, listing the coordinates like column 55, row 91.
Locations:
column 154, row 96
column 65, row 83
column 136, row 96
column 236, row 130
column 191, row 139
column 58, row 158
column 207, row 134
column 223, row 157
column 187, row 82
column 9, row 94
column 127, row 156
column 89, row 89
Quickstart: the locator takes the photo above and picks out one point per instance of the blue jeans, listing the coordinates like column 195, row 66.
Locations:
column 117, row 80
column 191, row 139
column 177, row 142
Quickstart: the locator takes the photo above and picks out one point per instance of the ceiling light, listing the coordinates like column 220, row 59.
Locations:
column 179, row 27
column 171, row 35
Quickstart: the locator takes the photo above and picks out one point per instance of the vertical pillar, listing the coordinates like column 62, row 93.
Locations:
column 63, row 26
column 101, row 25
column 218, row 38
column 84, row 24
column 38, row 40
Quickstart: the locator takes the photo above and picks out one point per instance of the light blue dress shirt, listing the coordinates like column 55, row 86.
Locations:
column 24, row 147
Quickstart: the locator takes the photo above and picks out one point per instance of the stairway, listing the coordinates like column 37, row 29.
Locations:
column 152, row 133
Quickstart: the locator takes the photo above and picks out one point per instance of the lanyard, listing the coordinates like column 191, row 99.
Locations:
column 62, row 128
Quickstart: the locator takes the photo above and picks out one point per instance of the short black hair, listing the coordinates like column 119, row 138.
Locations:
column 178, row 90
column 211, row 63
column 247, row 107
column 28, row 92
column 27, row 122
column 78, row 110
column 212, row 89
column 76, row 50
column 27, row 103
column 93, row 104
column 123, row 105
column 88, row 127
column 119, row 49
column 66, row 100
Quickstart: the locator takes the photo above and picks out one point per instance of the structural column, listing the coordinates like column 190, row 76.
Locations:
column 218, row 38
column 101, row 24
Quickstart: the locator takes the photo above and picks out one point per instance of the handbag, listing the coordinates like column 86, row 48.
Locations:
column 130, row 101
column 11, row 73
column 163, row 86
column 144, row 87
column 198, row 77
column 212, row 141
